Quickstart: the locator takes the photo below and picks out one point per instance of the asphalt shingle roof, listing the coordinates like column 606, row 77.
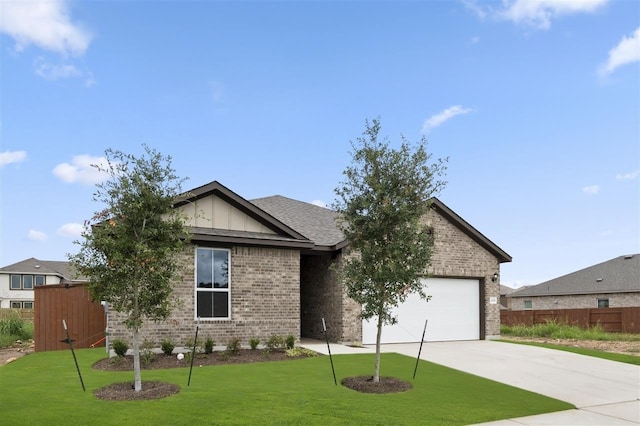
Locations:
column 618, row 275
column 316, row 223
column 43, row 267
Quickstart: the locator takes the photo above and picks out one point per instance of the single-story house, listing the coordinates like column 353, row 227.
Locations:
column 261, row 267
column 18, row 280
column 614, row 283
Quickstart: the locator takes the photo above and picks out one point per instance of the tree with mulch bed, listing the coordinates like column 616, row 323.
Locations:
column 385, row 195
column 129, row 248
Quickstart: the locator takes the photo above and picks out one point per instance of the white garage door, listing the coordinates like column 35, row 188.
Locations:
column 453, row 313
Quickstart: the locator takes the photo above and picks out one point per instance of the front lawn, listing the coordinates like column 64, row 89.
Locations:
column 44, row 388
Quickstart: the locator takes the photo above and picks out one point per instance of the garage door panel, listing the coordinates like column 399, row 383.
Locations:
column 453, row 313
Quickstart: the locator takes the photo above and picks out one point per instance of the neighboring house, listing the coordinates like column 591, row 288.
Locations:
column 263, row 267
column 505, row 302
column 17, row 281
column 614, row 283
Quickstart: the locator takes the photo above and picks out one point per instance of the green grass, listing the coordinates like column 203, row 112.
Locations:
column 629, row 359
column 557, row 330
column 13, row 328
column 284, row 393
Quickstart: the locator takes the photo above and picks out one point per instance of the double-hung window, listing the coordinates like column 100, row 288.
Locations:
column 213, row 273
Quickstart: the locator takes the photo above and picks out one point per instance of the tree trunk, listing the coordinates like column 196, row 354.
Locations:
column 136, row 361
column 376, row 374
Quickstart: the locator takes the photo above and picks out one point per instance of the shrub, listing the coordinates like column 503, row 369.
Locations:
column 233, row 347
column 209, row 343
column 167, row 346
column 254, row 343
column 299, row 352
column 146, row 351
column 290, row 341
column 120, row 347
column 276, row 342
column 190, row 345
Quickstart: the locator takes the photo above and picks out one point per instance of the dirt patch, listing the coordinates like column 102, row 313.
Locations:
column 366, row 384
column 619, row 347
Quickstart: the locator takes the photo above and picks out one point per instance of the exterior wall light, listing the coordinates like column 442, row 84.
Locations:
column 494, row 278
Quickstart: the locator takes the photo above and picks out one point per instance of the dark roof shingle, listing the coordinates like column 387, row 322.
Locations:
column 618, row 275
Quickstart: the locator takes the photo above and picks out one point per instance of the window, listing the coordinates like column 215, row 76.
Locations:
column 26, row 282
column 212, row 283
column 16, row 282
column 603, row 303
column 21, row 305
column 528, row 304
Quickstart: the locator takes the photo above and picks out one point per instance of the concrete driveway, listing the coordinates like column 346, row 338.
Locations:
column 604, row 392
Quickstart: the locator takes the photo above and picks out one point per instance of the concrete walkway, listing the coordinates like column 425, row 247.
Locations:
column 604, row 392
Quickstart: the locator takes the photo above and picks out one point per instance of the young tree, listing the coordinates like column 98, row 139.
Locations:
column 380, row 205
column 129, row 249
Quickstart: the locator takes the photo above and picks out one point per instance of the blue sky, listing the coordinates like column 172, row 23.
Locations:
column 536, row 104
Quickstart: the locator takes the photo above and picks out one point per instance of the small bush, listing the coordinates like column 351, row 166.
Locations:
column 146, row 351
column 209, row 343
column 167, row 346
column 120, row 347
column 190, row 345
column 299, row 352
column 290, row 341
column 233, row 347
column 276, row 342
column 253, row 343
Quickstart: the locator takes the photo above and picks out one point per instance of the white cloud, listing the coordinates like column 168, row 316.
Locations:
column 628, row 176
column 55, row 72
column 9, row 157
column 319, row 203
column 46, row 24
column 626, row 52
column 72, row 230
column 441, row 117
column 535, row 13
column 34, row 235
column 81, row 170
column 591, row 189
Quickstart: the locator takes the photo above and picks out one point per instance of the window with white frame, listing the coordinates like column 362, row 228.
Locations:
column 528, row 304
column 213, row 273
column 25, row 282
column 27, row 304
column 603, row 303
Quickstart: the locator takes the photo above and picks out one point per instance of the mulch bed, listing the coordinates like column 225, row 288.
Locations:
column 366, row 384
column 243, row 356
column 125, row 391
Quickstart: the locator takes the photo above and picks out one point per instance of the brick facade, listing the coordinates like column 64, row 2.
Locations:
column 456, row 255
column 265, row 300
column 578, row 301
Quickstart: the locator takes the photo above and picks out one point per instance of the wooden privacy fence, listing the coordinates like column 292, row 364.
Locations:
column 70, row 302
column 622, row 320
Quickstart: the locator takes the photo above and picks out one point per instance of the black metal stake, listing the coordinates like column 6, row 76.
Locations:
column 193, row 352
column 69, row 341
column 420, row 351
column 324, row 328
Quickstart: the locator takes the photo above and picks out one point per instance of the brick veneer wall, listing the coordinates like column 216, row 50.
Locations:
column 455, row 255
column 616, row 300
column 265, row 300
